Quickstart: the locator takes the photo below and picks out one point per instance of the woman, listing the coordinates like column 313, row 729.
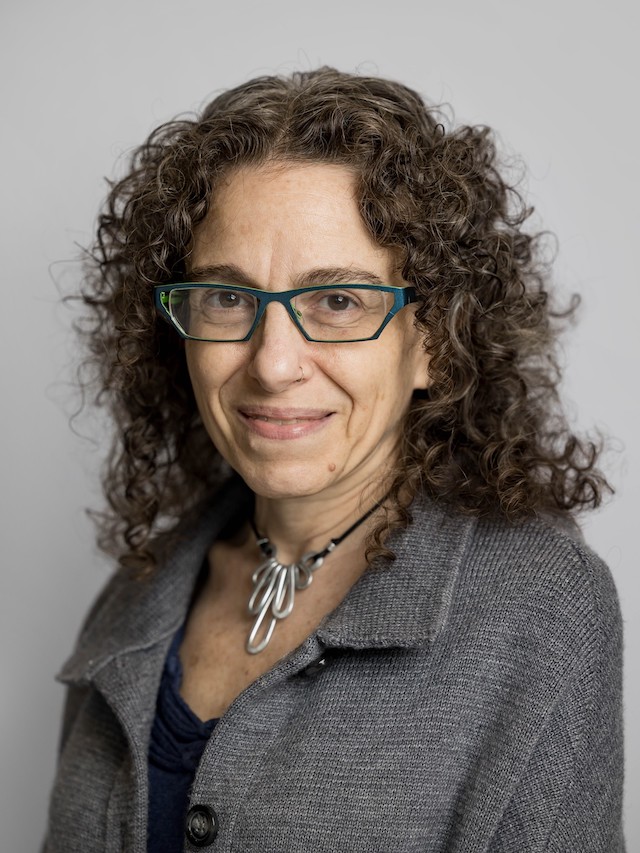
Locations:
column 353, row 611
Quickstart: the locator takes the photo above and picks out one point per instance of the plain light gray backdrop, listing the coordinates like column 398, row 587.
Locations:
column 83, row 82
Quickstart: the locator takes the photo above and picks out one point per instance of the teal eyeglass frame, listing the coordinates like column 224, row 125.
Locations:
column 402, row 296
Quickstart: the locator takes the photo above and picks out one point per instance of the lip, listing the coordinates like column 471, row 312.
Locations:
column 284, row 423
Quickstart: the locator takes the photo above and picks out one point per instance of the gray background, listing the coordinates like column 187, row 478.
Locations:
column 83, row 82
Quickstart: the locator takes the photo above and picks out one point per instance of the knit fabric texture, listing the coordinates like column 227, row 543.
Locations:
column 468, row 701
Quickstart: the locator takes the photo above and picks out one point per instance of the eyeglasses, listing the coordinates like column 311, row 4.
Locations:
column 332, row 313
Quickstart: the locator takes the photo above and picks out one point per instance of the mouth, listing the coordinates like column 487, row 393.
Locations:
column 283, row 416
column 283, row 423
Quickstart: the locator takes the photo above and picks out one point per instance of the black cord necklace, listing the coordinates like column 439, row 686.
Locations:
column 274, row 584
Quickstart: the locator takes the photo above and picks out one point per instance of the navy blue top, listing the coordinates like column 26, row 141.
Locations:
column 178, row 739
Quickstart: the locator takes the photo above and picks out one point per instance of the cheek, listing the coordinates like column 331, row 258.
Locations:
column 209, row 368
column 199, row 375
column 379, row 382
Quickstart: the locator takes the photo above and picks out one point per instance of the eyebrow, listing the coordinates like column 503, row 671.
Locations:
column 231, row 274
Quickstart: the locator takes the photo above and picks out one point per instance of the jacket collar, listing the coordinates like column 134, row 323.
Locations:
column 404, row 603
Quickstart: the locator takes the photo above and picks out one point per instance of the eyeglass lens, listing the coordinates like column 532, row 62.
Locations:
column 340, row 314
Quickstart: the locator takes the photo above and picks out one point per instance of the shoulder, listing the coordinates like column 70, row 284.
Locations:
column 542, row 555
column 133, row 613
column 539, row 580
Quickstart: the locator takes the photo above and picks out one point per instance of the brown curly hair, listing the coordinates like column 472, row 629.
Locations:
column 488, row 436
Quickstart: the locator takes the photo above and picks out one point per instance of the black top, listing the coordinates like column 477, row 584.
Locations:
column 178, row 739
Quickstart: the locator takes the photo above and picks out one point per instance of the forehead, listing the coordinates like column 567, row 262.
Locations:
column 282, row 219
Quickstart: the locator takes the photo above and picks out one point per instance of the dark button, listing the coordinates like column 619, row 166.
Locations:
column 201, row 825
column 317, row 666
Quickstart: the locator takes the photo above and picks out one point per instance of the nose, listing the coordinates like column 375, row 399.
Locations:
column 278, row 351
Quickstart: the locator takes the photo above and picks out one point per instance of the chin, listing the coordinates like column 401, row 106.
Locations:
column 287, row 481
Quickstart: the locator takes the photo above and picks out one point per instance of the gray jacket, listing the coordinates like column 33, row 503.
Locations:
column 466, row 698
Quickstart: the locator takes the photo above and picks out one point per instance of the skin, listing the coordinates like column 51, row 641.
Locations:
column 313, row 477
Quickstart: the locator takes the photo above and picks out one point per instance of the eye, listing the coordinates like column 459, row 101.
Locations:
column 332, row 301
column 338, row 301
column 223, row 299
column 218, row 301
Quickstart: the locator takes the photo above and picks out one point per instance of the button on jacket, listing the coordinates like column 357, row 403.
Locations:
column 465, row 697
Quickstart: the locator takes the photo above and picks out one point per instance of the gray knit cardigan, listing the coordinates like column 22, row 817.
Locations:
column 464, row 698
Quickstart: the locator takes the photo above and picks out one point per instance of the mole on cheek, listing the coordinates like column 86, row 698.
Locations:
column 332, row 466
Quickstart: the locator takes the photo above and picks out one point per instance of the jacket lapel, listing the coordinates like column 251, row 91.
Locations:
column 402, row 603
column 405, row 603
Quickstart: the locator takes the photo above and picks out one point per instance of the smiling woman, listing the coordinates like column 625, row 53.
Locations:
column 277, row 227
column 341, row 493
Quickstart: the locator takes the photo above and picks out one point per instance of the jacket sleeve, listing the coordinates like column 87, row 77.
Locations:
column 569, row 799
column 76, row 694
column 74, row 698
column 589, row 815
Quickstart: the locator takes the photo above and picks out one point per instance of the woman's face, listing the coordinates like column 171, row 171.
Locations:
column 336, row 431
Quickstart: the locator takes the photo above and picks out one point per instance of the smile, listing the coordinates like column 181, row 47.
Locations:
column 282, row 424
column 278, row 421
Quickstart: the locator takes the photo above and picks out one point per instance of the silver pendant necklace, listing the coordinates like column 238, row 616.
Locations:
column 274, row 583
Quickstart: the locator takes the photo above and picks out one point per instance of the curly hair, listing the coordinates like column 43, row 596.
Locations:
column 488, row 436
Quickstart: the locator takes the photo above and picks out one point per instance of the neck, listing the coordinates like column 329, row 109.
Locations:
column 299, row 525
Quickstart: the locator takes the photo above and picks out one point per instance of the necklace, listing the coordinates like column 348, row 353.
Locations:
column 274, row 583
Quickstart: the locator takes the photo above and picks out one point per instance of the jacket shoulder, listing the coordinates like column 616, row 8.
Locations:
column 547, row 571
